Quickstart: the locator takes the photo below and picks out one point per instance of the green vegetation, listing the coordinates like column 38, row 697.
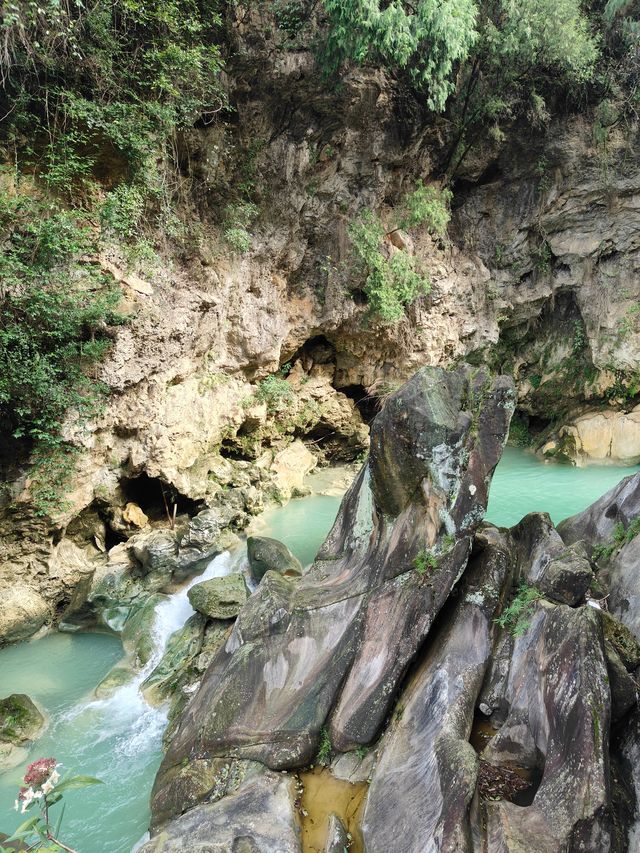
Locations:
column 517, row 616
column 425, row 561
column 501, row 59
column 519, row 434
column 428, row 206
column 324, row 749
column 391, row 282
column 425, row 40
column 275, row 392
column 621, row 536
column 92, row 97
column 55, row 309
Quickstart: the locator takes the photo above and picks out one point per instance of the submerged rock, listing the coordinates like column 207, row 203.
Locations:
column 333, row 647
column 219, row 598
column 182, row 648
column 266, row 554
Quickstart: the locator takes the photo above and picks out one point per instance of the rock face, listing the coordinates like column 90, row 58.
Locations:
column 607, row 436
column 266, row 554
column 302, row 654
column 23, row 612
column 510, row 733
column 428, row 740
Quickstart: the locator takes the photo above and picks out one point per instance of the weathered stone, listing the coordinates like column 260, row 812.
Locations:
column 182, row 648
column 562, row 574
column 156, row 552
column 22, row 613
column 117, row 677
column 137, row 633
column 624, row 586
column 219, row 598
column 207, row 535
column 428, row 735
column 290, row 466
column 596, row 524
column 309, row 654
column 622, row 640
column 605, row 436
column 624, row 688
column 558, row 721
column 337, row 839
column 258, row 816
column 267, row 554
column 132, row 514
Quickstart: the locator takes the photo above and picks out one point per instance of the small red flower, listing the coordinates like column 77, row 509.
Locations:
column 38, row 772
column 22, row 793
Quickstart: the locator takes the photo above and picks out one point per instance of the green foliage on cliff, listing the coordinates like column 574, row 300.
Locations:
column 425, row 39
column 102, row 85
column 392, row 281
column 92, row 96
column 500, row 57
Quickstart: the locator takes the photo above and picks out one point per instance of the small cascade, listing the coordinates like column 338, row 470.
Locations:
column 127, row 709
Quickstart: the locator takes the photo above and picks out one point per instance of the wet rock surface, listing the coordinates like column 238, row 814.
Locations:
column 266, row 554
column 20, row 723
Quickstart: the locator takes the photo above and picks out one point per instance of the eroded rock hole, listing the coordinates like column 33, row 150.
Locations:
column 316, row 351
column 514, row 783
column 368, row 404
column 156, row 498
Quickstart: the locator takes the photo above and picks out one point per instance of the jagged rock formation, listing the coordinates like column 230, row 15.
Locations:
column 514, row 671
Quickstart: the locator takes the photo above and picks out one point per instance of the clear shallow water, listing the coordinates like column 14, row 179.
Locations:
column 119, row 739
column 522, row 483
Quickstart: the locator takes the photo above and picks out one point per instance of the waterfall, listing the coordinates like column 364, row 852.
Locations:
column 139, row 726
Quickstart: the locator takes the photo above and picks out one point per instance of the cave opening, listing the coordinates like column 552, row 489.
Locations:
column 157, row 498
column 368, row 404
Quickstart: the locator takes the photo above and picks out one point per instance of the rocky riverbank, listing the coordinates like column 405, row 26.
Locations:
column 418, row 628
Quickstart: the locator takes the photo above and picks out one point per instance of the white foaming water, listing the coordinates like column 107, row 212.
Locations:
column 138, row 726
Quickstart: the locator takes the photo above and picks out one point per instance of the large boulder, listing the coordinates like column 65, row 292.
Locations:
column 561, row 573
column 219, row 598
column 333, row 647
column 428, row 739
column 257, row 816
column 208, row 534
column 20, row 723
column 596, row 524
column 266, row 554
column 22, row 613
column 556, row 692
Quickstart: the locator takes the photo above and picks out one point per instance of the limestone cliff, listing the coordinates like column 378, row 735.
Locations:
column 537, row 277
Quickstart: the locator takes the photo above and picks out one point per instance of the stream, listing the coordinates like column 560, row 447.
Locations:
column 118, row 739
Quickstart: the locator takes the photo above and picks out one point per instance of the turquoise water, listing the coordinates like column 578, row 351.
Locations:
column 118, row 739
column 522, row 483
column 302, row 524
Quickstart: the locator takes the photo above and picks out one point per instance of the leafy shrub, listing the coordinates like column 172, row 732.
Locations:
column 426, row 40
column 390, row 283
column 428, row 206
column 123, row 209
column 275, row 392
column 238, row 217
